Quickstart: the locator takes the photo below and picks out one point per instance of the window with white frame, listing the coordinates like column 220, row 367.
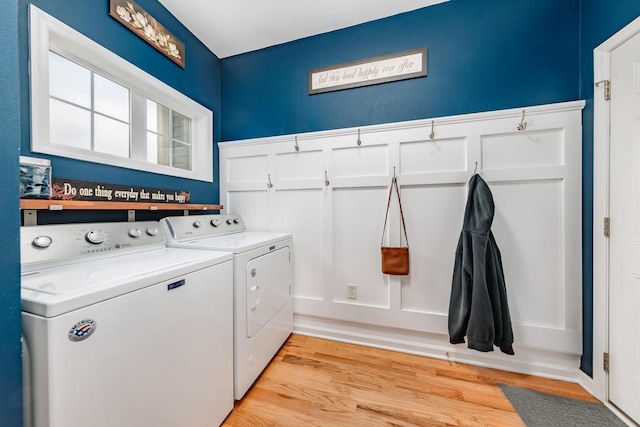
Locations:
column 89, row 104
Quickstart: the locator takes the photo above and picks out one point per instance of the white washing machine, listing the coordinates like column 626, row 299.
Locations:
column 263, row 306
column 122, row 331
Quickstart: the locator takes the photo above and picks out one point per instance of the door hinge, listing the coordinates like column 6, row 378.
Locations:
column 607, row 227
column 605, row 362
column 607, row 88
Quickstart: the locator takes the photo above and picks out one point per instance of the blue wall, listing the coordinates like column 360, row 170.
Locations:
column 600, row 19
column 200, row 80
column 483, row 55
column 10, row 347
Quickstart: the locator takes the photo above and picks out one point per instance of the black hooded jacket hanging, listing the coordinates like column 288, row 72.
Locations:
column 478, row 307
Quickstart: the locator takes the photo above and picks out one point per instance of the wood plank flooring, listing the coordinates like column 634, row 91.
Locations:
column 316, row 382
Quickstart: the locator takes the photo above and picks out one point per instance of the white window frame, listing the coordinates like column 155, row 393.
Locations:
column 48, row 33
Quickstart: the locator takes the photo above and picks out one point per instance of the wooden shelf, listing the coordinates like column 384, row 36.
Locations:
column 58, row 205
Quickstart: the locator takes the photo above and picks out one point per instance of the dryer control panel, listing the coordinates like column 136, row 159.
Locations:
column 190, row 227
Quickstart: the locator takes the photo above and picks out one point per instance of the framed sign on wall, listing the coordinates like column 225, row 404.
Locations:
column 404, row 65
column 135, row 18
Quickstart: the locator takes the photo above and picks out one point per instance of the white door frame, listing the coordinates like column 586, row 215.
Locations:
column 598, row 386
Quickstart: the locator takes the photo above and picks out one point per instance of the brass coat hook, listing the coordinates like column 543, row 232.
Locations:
column 297, row 146
column 433, row 132
column 269, row 184
column 359, row 142
column 326, row 179
column 523, row 125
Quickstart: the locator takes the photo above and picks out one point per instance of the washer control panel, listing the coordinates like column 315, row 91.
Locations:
column 57, row 243
column 188, row 227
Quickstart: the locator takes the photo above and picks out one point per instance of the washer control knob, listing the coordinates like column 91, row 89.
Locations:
column 152, row 231
column 197, row 224
column 215, row 222
column 135, row 232
column 42, row 242
column 229, row 221
column 95, row 237
column 236, row 221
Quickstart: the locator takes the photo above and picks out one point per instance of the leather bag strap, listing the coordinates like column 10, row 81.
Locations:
column 394, row 183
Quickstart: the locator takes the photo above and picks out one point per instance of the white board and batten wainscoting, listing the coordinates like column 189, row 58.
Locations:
column 331, row 191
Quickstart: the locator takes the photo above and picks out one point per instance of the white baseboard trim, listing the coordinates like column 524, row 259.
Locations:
column 589, row 384
column 528, row 361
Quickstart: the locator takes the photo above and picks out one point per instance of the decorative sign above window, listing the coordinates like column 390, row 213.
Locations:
column 132, row 16
column 70, row 189
column 380, row 69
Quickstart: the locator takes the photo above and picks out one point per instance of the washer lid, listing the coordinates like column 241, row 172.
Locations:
column 57, row 290
column 235, row 242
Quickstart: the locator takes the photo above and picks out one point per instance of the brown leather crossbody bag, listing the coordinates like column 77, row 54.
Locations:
column 395, row 260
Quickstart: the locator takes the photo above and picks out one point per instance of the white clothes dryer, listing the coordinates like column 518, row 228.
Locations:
column 263, row 271
column 121, row 330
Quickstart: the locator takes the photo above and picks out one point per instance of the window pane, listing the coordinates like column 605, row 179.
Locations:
column 157, row 118
column 181, row 155
column 110, row 98
column 69, row 81
column 181, row 127
column 69, row 125
column 111, row 136
column 157, row 149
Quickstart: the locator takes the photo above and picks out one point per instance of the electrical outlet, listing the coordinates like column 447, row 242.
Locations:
column 352, row 291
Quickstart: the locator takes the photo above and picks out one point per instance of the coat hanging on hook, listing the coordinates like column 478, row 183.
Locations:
column 478, row 307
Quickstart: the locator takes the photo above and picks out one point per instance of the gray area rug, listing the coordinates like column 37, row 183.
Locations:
column 546, row 410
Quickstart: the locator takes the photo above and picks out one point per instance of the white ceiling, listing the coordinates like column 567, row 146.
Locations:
column 229, row 28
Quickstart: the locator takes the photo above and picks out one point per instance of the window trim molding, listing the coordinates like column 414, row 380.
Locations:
column 47, row 32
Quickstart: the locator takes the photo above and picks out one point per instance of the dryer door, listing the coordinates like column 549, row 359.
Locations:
column 268, row 285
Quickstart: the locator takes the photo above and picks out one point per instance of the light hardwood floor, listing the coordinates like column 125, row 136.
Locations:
column 316, row 382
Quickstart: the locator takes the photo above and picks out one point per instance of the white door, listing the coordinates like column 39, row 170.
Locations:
column 624, row 283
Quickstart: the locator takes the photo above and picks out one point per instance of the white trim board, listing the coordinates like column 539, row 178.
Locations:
column 515, row 113
column 541, row 363
column 598, row 385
